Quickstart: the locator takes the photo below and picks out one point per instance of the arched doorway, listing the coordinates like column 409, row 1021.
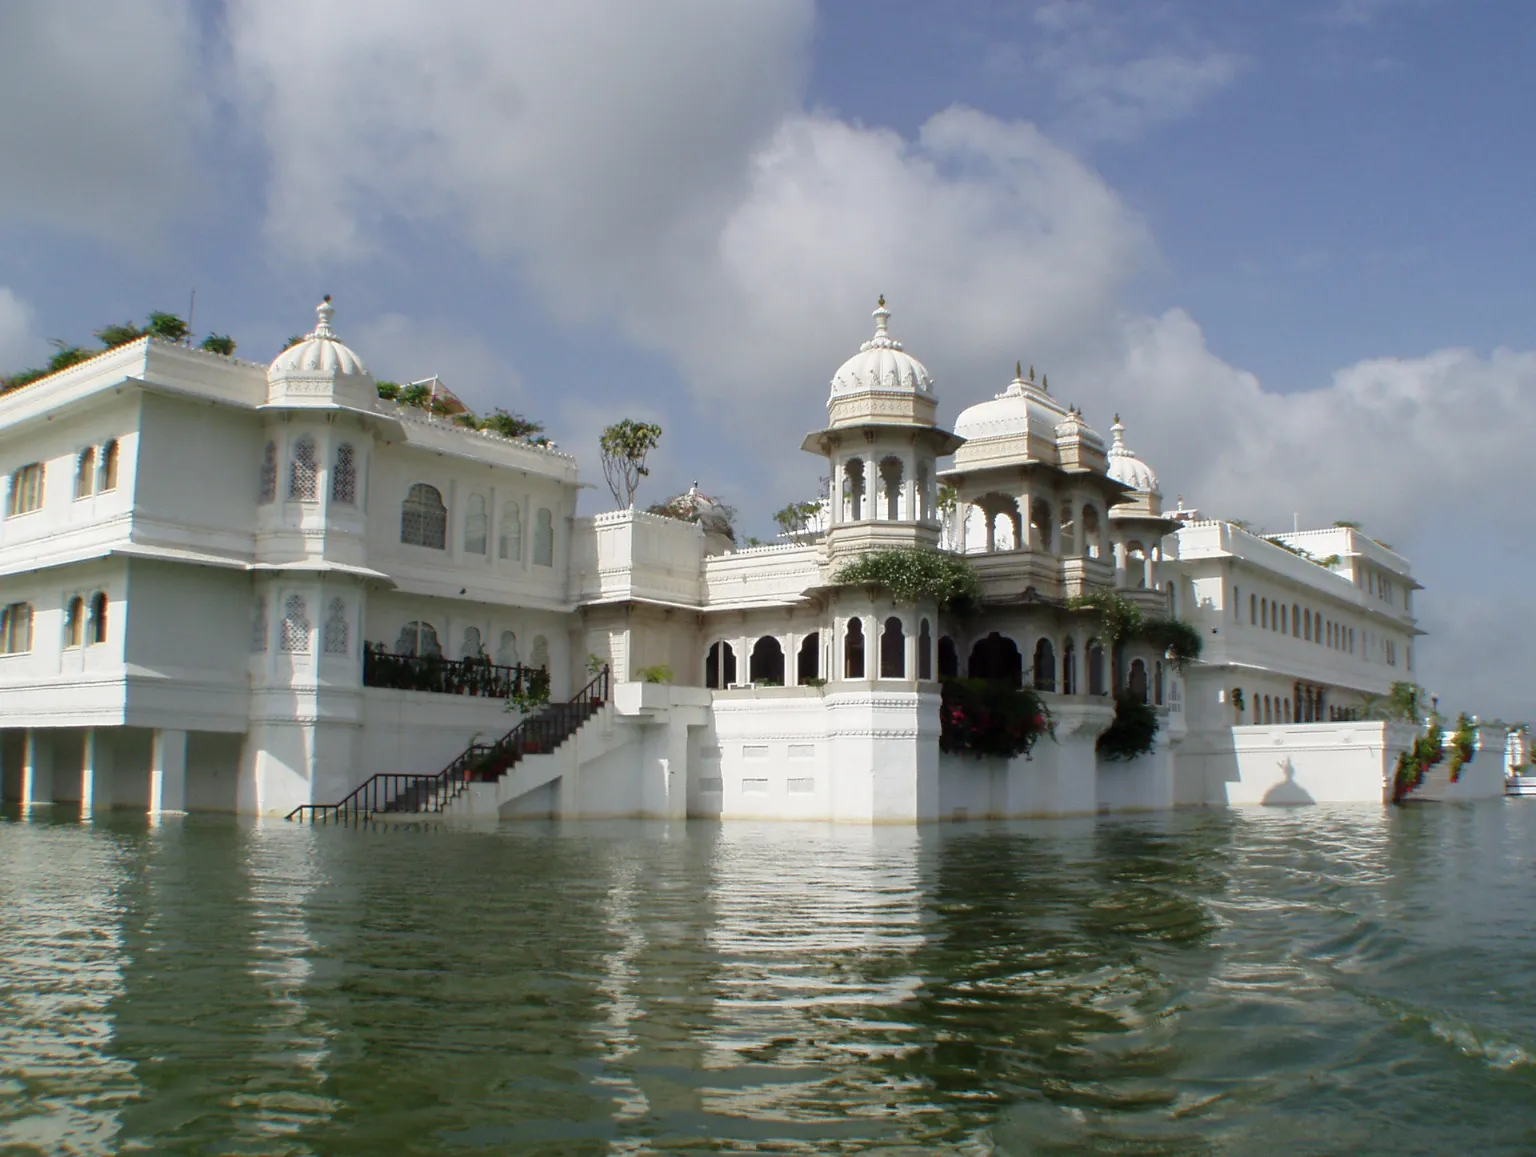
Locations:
column 808, row 666
column 720, row 666
column 766, row 664
column 893, row 650
column 996, row 657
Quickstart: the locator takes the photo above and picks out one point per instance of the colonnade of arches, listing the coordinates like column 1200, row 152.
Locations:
column 874, row 647
column 884, row 487
column 994, row 523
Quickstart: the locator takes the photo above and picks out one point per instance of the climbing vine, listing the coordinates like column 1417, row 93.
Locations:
column 912, row 574
column 985, row 717
column 1132, row 733
column 1122, row 621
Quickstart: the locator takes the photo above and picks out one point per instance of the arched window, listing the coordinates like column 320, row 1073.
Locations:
column 1269, row 714
column 853, row 489
column 1157, row 683
column 949, row 658
column 766, row 664
column 97, row 630
column 336, row 642
column 924, row 503
column 1136, row 561
column 893, row 650
column 1069, row 668
column 1264, row 613
column 540, row 656
column 259, row 626
column 853, row 650
column 344, row 476
column 997, row 657
column 1295, row 621
column 268, row 492
column 305, row 470
column 1045, row 666
column 1002, row 532
column 85, row 473
column 924, row 651
column 1286, row 717
column 510, row 544
column 1092, row 547
column 476, row 525
column 106, row 478
column 74, row 622
column 1136, row 683
column 424, row 518
column 506, row 652
column 472, row 647
column 295, row 631
column 1282, row 618
column 1040, row 520
column 720, row 666
column 890, row 487
column 1253, row 610
column 1095, row 653
column 1306, row 626
column 808, row 665
column 1068, row 536
column 419, row 639
column 26, row 493
column 544, row 538
column 16, row 629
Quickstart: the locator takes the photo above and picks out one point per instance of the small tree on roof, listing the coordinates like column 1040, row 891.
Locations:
column 625, row 446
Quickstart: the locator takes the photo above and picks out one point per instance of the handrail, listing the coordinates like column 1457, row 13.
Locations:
column 435, row 674
column 541, row 732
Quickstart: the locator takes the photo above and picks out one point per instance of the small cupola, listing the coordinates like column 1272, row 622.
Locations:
column 321, row 370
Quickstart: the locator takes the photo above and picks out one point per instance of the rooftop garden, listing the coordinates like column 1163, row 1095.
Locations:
column 167, row 326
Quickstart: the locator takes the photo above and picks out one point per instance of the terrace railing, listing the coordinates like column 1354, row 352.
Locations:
column 536, row 734
column 432, row 673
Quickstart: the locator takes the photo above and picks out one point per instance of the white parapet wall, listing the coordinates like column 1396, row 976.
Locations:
column 1288, row 764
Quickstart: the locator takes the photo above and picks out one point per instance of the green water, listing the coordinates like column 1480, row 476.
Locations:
column 1317, row 981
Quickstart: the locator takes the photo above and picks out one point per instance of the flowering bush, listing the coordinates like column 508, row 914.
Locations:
column 1133, row 731
column 912, row 574
column 983, row 717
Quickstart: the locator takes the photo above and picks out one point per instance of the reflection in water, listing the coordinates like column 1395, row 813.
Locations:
column 285, row 1088
column 60, row 968
column 1249, row 982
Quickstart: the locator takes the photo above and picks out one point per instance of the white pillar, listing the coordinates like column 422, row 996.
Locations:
column 168, row 772
column 36, row 770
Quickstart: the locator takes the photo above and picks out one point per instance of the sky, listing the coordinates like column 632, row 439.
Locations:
column 1287, row 240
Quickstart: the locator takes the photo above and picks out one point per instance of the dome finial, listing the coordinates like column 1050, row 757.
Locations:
column 882, row 319
column 324, row 312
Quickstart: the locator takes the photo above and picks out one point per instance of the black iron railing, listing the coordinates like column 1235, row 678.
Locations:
column 539, row 733
column 383, row 668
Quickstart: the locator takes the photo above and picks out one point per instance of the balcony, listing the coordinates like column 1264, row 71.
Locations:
column 433, row 673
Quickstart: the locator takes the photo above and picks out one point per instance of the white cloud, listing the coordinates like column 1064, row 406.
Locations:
column 403, row 349
column 20, row 346
column 101, row 110
column 599, row 141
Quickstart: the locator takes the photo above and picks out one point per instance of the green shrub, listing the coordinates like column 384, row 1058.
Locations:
column 913, row 574
column 1134, row 731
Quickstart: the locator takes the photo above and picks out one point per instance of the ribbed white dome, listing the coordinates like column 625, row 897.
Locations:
column 320, row 355
column 1125, row 467
column 1023, row 408
column 881, row 364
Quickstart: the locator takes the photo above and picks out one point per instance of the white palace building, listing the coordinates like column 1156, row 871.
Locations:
column 248, row 588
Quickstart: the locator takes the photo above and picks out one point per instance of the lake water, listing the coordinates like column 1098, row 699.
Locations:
column 1313, row 981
